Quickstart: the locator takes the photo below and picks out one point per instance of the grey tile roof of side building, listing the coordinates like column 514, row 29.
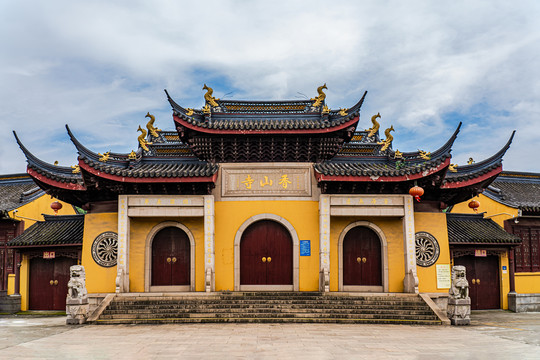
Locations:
column 471, row 229
column 17, row 190
column 55, row 230
column 516, row 189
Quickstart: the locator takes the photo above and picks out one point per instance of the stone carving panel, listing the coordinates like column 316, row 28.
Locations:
column 427, row 249
column 105, row 249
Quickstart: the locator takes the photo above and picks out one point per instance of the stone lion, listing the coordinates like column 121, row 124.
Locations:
column 77, row 282
column 460, row 285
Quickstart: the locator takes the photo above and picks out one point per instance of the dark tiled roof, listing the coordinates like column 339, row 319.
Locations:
column 60, row 174
column 266, row 115
column 473, row 171
column 520, row 190
column 474, row 229
column 156, row 169
column 55, row 230
column 17, row 190
column 382, row 167
column 120, row 165
column 368, row 161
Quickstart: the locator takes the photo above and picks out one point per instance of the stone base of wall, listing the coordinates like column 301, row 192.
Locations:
column 523, row 302
column 9, row 303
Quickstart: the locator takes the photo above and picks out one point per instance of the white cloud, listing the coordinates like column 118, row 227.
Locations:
column 100, row 66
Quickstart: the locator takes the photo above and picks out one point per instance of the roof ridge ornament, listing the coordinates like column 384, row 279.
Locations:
column 105, row 156
column 375, row 128
column 150, row 125
column 320, row 98
column 389, row 138
column 208, row 98
column 142, row 139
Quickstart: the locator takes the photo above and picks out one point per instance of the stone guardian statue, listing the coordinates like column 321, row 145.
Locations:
column 77, row 297
column 459, row 302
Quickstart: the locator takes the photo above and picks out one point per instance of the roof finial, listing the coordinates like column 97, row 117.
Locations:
column 150, row 125
column 208, row 96
column 373, row 130
column 142, row 140
column 389, row 138
column 320, row 98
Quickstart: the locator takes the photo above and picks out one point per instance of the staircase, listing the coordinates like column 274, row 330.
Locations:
column 269, row 307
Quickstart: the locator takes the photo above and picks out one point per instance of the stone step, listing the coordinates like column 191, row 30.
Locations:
column 268, row 315
column 268, row 307
column 267, row 320
column 266, row 301
column 270, row 310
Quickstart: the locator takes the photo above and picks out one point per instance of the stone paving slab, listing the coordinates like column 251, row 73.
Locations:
column 492, row 335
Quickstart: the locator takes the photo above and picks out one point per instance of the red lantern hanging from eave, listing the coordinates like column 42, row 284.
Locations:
column 56, row 206
column 416, row 191
column 474, row 204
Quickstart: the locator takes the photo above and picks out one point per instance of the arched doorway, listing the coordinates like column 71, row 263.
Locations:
column 363, row 253
column 266, row 256
column 171, row 260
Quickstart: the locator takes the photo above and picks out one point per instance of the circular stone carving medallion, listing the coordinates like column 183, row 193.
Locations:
column 427, row 249
column 105, row 249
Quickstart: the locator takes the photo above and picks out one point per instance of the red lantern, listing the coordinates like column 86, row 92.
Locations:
column 474, row 204
column 56, row 206
column 416, row 191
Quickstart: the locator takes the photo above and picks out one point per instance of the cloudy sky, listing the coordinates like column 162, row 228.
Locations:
column 99, row 66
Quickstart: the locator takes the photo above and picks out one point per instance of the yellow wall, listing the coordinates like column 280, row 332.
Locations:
column 230, row 215
column 35, row 209
column 490, row 207
column 393, row 231
column 98, row 279
column 140, row 228
column 505, row 280
column 11, row 284
column 24, row 282
column 435, row 224
column 528, row 283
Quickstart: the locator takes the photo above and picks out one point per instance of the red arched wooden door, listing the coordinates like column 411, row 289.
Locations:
column 362, row 258
column 266, row 255
column 171, row 258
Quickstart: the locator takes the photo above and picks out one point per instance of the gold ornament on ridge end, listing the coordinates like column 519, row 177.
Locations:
column 373, row 130
column 320, row 98
column 142, row 138
column 389, row 138
column 150, row 125
column 208, row 96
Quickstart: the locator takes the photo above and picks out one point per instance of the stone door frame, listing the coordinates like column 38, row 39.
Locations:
column 170, row 206
column 296, row 254
column 396, row 206
column 384, row 259
column 148, row 259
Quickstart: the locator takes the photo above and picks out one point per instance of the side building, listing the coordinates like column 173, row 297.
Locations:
column 22, row 203
column 513, row 202
column 266, row 195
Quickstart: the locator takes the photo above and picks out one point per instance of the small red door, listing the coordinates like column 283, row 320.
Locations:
column 362, row 257
column 171, row 258
column 48, row 283
column 483, row 277
column 266, row 254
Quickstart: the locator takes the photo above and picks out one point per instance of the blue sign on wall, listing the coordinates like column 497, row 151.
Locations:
column 305, row 247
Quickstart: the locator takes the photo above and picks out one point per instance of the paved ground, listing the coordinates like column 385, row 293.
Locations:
column 492, row 335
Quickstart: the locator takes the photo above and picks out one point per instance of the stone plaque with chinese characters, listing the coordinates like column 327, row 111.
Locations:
column 271, row 181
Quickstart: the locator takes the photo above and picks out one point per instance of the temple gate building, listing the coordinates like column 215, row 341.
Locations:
column 266, row 196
